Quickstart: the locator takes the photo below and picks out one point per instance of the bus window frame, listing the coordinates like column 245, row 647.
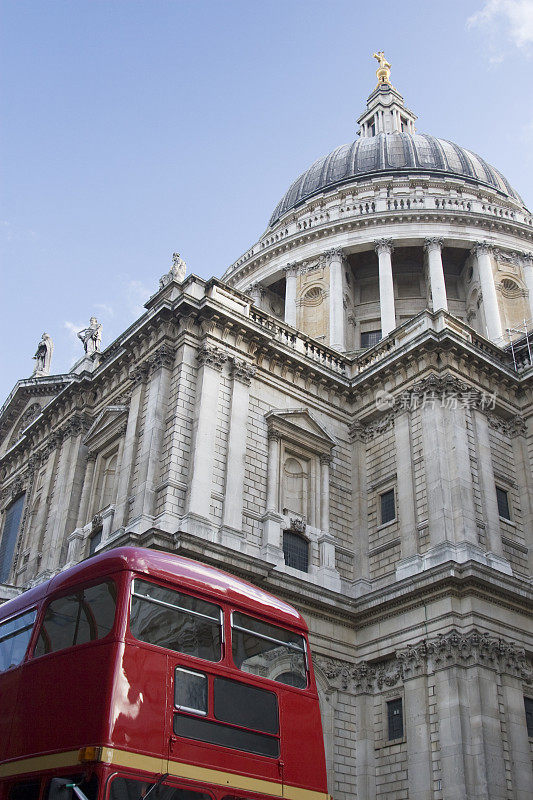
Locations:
column 307, row 661
column 113, row 633
column 170, row 781
column 130, row 638
column 29, row 646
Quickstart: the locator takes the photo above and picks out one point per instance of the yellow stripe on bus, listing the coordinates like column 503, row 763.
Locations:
column 123, row 758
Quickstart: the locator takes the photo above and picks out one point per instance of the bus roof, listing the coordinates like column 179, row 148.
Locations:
column 190, row 574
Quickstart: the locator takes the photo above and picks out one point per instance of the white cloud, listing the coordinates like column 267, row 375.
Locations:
column 136, row 296
column 105, row 309
column 74, row 328
column 505, row 22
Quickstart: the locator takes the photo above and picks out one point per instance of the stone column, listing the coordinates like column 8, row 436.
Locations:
column 418, row 738
column 160, row 364
column 139, row 377
column 257, row 293
column 482, row 252
column 454, row 731
column 198, row 499
column 273, row 471
column 406, row 493
column 335, row 260
column 52, row 452
column 360, row 508
column 86, row 491
column 524, row 479
column 527, row 268
column 384, row 250
column 326, row 542
column 433, row 248
column 440, row 518
column 291, row 271
column 231, row 533
column 365, row 746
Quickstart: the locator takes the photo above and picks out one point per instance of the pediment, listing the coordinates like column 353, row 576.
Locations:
column 299, row 425
column 106, row 426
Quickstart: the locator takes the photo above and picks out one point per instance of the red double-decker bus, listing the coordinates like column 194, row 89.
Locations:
column 139, row 673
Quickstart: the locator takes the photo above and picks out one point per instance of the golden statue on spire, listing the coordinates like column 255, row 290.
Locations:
column 383, row 71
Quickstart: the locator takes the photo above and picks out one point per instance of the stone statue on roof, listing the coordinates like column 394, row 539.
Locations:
column 43, row 356
column 91, row 336
column 176, row 272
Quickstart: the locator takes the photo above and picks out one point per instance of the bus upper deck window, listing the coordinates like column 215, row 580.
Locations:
column 176, row 621
column 84, row 616
column 266, row 650
column 15, row 635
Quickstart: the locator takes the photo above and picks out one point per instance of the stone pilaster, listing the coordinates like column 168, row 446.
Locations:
column 360, row 509
column 198, row 498
column 405, row 487
column 527, row 268
column 271, row 549
column 437, row 285
column 231, row 532
column 384, row 248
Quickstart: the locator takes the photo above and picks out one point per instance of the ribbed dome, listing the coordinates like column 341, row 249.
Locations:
column 392, row 154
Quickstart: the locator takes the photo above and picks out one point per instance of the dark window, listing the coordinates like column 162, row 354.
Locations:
column 94, row 541
column 503, row 503
column 528, row 703
column 27, row 790
column 82, row 617
column 370, row 338
column 15, row 636
column 129, row 789
column 260, row 648
column 204, row 730
column 176, row 621
column 296, row 550
column 388, row 508
column 9, row 537
column 244, row 705
column 395, row 719
column 54, row 788
column 190, row 691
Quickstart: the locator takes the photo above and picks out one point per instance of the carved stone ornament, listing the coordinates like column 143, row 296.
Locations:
column 334, row 254
column 426, row 657
column 96, row 523
column 242, row 371
column 176, row 272
column 527, row 259
column 139, row 374
column 291, row 268
column 210, row 356
column 433, row 243
column 483, row 248
column 163, row 357
column 383, row 246
column 298, row 525
column 515, row 426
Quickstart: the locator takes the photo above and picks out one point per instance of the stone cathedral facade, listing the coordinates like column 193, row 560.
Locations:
column 345, row 419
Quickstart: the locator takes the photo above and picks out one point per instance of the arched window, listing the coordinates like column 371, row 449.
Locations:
column 9, row 536
column 296, row 550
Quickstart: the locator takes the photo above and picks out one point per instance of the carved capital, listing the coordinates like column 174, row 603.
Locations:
column 334, row 254
column 527, row 259
column 482, row 248
column 210, row 356
column 273, row 436
column 163, row 357
column 291, row 269
column 433, row 243
column 298, row 525
column 383, row 246
column 256, row 291
column 139, row 374
column 326, row 459
column 242, row 371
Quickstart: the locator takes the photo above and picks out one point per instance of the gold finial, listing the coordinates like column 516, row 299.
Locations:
column 383, row 71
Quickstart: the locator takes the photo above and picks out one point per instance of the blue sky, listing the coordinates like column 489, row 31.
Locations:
column 131, row 129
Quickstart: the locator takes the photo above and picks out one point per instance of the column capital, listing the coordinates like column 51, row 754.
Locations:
column 383, row 246
column 527, row 258
column 326, row 459
column 163, row 357
column 433, row 243
column 482, row 248
column 256, row 290
column 242, row 371
column 273, row 436
column 334, row 254
column 211, row 356
column 292, row 268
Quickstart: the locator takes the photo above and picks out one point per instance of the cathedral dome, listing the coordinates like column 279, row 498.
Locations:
column 393, row 153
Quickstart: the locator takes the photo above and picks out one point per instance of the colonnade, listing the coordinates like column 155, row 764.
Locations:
column 334, row 259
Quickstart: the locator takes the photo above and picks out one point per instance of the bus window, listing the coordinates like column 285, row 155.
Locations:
column 61, row 788
column 244, row 705
column 176, row 621
column 25, row 790
column 129, row 789
column 77, row 618
column 15, row 636
column 268, row 651
column 190, row 691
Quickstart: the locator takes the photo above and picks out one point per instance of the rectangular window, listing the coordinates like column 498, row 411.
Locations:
column 15, row 635
column 190, row 691
column 8, row 539
column 503, row 503
column 528, row 703
column 206, row 730
column 85, row 616
column 266, row 650
column 395, row 719
column 133, row 789
column 388, row 506
column 176, row 621
column 370, row 338
column 246, row 706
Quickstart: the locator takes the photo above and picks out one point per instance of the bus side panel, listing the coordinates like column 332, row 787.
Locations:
column 9, row 683
column 62, row 704
column 139, row 700
column 302, row 741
